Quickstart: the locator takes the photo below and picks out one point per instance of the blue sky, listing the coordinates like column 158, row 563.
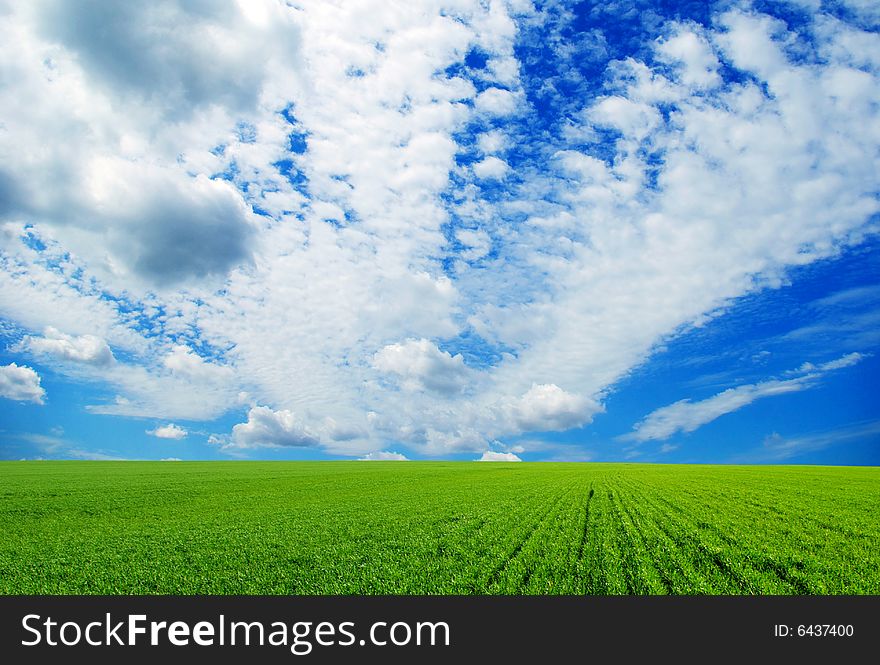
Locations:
column 623, row 231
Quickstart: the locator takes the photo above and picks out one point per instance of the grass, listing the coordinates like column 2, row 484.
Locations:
column 436, row 528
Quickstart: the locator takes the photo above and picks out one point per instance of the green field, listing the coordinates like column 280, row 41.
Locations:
column 436, row 528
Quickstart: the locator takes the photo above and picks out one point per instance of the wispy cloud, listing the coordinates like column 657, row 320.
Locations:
column 55, row 446
column 777, row 448
column 686, row 416
column 92, row 455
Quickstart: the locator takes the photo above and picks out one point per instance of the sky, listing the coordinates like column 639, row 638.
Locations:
column 466, row 230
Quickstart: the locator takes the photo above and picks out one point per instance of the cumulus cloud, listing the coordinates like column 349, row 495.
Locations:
column 21, row 384
column 632, row 118
column 169, row 431
column 691, row 51
column 491, row 168
column 114, row 157
column 493, row 456
column 496, row 101
column 272, row 429
column 184, row 362
column 547, row 407
column 422, row 366
column 492, row 141
column 188, row 56
column 83, row 348
column 384, row 456
column 686, row 416
column 165, row 226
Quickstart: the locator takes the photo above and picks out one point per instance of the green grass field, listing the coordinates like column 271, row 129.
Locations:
column 436, row 528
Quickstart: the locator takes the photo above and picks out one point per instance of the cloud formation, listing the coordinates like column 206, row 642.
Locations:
column 394, row 226
column 777, row 448
column 686, row 416
column 493, row 456
column 271, row 429
column 83, row 348
column 21, row 384
column 547, row 407
column 169, row 431
column 384, row 456
column 422, row 366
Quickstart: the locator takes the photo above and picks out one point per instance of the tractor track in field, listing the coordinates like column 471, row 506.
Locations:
column 586, row 530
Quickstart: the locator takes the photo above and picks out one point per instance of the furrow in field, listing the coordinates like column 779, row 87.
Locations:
column 678, row 572
column 516, row 564
column 772, row 551
column 652, row 564
column 600, row 568
column 723, row 560
column 552, row 558
column 641, row 575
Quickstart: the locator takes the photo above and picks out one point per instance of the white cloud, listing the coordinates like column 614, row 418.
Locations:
column 845, row 361
column 21, row 384
column 170, row 459
column 169, row 431
column 273, row 429
column 744, row 192
column 699, row 64
column 491, row 168
column 492, row 456
column 686, row 416
column 83, row 348
column 547, row 407
column 492, row 141
column 632, row 118
column 477, row 243
column 384, row 456
column 422, row 366
column 496, row 101
column 183, row 362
